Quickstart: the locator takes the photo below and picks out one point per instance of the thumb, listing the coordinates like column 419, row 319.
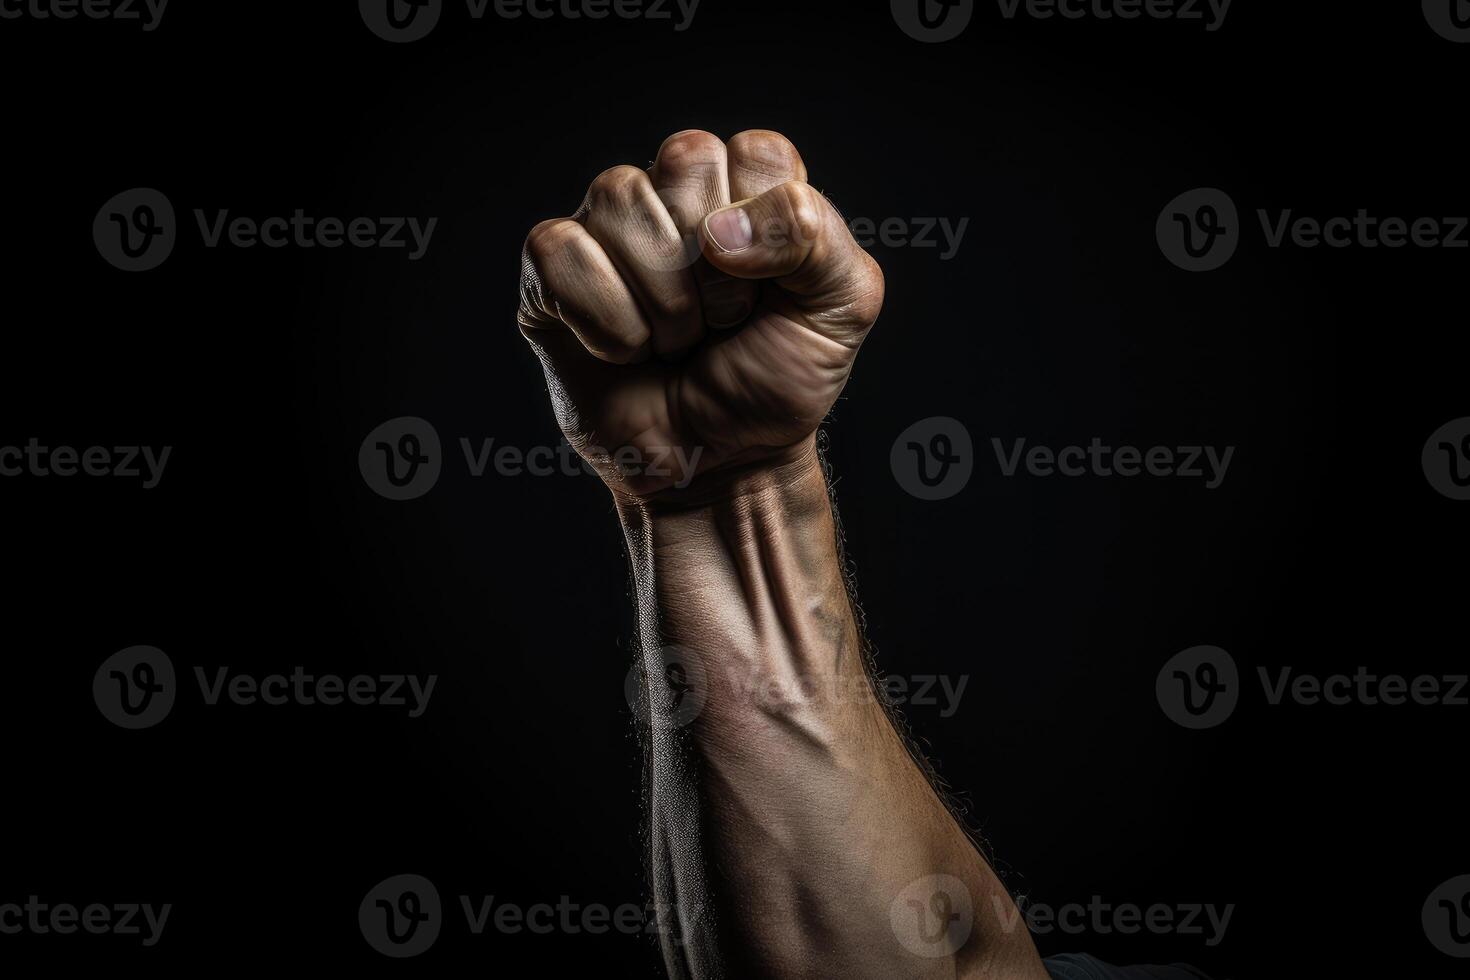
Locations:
column 793, row 235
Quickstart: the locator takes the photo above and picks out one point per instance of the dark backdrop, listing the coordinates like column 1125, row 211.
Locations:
column 262, row 548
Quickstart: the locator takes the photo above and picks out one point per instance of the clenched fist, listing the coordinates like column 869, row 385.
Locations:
column 685, row 336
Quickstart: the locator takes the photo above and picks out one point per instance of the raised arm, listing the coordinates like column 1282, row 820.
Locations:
column 691, row 349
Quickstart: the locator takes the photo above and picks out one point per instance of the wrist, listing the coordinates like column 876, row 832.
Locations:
column 788, row 477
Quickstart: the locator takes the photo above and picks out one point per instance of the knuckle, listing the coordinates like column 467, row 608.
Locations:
column 550, row 239
column 805, row 212
column 861, row 288
column 619, row 185
column 690, row 148
column 765, row 152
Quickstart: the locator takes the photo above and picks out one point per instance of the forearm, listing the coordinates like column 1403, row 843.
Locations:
column 788, row 805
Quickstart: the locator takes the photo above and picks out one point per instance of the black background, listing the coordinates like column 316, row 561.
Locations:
column 1060, row 599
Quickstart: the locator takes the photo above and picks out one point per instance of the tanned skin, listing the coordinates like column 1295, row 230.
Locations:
column 792, row 831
